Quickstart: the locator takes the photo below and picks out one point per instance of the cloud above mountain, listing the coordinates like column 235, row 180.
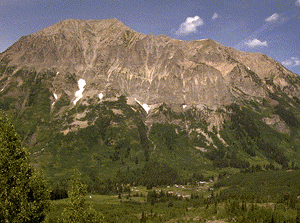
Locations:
column 215, row 16
column 190, row 25
column 256, row 43
column 273, row 18
column 292, row 62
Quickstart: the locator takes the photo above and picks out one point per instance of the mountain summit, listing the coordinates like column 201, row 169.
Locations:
column 110, row 56
column 99, row 95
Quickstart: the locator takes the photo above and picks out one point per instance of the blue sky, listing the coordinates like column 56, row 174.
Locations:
column 271, row 27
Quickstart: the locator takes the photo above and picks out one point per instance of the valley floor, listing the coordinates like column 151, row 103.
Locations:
column 185, row 203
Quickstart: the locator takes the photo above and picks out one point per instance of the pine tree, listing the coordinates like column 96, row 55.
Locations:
column 24, row 196
column 76, row 212
column 298, row 216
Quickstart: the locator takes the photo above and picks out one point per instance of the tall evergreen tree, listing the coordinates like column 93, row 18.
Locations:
column 298, row 216
column 24, row 196
column 76, row 211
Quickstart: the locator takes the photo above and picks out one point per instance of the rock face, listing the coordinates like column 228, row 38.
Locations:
column 277, row 124
column 112, row 58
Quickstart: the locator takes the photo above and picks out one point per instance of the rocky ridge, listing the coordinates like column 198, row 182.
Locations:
column 111, row 57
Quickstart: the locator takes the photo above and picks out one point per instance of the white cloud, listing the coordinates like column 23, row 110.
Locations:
column 296, row 61
column 256, row 43
column 190, row 25
column 216, row 16
column 297, row 3
column 287, row 63
column 272, row 18
column 292, row 62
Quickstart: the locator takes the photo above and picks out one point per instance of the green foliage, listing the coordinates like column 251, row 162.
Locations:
column 166, row 133
column 59, row 193
column 287, row 116
column 246, row 135
column 142, row 130
column 241, row 121
column 152, row 174
column 298, row 216
column 64, row 100
column 155, row 174
column 264, row 184
column 127, row 37
column 6, row 103
column 76, row 212
column 272, row 151
column 24, row 196
column 162, row 196
column 196, row 118
column 254, row 77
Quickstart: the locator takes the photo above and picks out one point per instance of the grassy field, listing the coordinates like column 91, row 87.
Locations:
column 129, row 207
column 272, row 196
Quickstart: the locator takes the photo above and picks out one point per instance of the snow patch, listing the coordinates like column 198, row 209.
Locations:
column 145, row 106
column 78, row 94
column 55, row 96
column 101, row 96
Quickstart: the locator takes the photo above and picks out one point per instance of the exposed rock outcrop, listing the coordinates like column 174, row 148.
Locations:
column 111, row 57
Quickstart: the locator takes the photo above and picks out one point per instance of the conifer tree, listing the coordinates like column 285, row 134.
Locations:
column 298, row 216
column 24, row 196
column 76, row 211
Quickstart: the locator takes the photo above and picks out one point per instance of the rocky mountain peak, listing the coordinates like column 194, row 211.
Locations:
column 72, row 26
column 68, row 43
column 111, row 57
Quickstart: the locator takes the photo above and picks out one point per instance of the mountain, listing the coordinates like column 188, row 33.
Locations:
column 107, row 99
